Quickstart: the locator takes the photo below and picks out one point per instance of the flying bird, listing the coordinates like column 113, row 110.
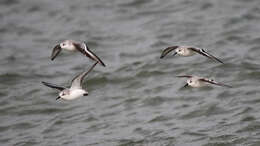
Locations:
column 71, row 45
column 75, row 91
column 188, row 51
column 196, row 82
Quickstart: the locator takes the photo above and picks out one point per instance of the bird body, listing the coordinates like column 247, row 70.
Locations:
column 72, row 46
column 188, row 51
column 197, row 82
column 76, row 90
column 69, row 45
column 70, row 94
column 184, row 51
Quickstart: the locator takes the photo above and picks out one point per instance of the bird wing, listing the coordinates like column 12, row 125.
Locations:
column 77, row 80
column 55, row 51
column 206, row 54
column 214, row 82
column 96, row 58
column 86, row 51
column 184, row 76
column 80, row 49
column 60, row 88
column 168, row 50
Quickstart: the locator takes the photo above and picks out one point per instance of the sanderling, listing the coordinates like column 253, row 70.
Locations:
column 72, row 45
column 195, row 81
column 188, row 51
column 76, row 90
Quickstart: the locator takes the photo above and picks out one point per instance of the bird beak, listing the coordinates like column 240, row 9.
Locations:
column 186, row 85
column 174, row 54
column 56, row 50
column 58, row 98
column 85, row 94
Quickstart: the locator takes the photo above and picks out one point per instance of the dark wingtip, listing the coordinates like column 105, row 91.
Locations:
column 186, row 85
column 163, row 54
column 97, row 58
column 99, row 61
column 55, row 52
column 58, row 97
column 161, row 57
column 218, row 60
column 182, row 76
column 102, row 63
column 45, row 83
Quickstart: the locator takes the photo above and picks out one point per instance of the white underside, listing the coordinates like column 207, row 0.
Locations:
column 74, row 93
column 185, row 53
column 198, row 84
column 71, row 48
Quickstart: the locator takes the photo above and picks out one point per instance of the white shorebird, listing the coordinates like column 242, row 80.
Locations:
column 71, row 45
column 196, row 82
column 75, row 91
column 188, row 51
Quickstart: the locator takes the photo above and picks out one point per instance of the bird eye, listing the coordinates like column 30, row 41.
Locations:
column 190, row 81
column 63, row 44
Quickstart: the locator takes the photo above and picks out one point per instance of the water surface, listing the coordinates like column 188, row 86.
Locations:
column 136, row 100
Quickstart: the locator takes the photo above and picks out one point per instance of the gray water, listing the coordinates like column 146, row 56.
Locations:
column 136, row 100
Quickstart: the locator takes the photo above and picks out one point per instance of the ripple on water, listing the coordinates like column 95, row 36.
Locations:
column 136, row 100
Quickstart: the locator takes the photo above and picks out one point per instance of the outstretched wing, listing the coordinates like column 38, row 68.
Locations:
column 214, row 82
column 92, row 54
column 168, row 50
column 60, row 88
column 77, row 81
column 86, row 51
column 80, row 49
column 55, row 51
column 206, row 54
column 184, row 76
